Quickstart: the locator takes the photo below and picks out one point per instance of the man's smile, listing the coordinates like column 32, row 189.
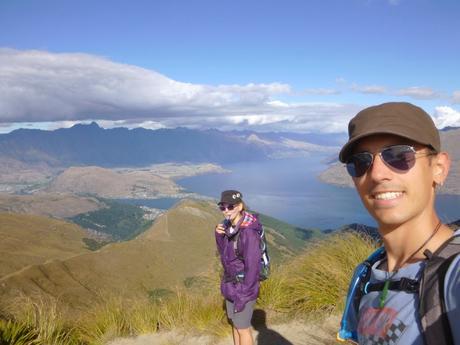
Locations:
column 387, row 195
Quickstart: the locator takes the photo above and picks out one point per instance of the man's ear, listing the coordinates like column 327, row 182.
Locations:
column 441, row 166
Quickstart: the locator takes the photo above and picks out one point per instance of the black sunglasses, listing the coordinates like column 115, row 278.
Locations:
column 399, row 157
column 226, row 207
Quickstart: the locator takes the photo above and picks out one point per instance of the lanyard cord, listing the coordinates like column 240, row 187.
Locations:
column 384, row 293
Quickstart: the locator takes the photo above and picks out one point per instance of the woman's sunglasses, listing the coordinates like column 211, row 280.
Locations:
column 226, row 207
column 399, row 157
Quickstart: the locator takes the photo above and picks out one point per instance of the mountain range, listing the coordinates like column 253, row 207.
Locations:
column 92, row 145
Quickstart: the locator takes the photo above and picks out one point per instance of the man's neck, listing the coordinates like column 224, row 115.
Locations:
column 402, row 241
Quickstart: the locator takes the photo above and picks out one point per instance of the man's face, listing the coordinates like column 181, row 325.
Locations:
column 391, row 196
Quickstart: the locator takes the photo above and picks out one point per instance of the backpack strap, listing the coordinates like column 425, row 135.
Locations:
column 432, row 309
column 365, row 276
column 235, row 240
column 404, row 284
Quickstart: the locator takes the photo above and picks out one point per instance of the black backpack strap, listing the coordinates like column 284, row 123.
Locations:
column 235, row 240
column 404, row 284
column 432, row 310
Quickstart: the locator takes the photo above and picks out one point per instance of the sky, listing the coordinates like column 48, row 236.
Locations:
column 265, row 65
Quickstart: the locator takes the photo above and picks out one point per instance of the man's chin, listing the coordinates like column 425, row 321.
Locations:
column 388, row 219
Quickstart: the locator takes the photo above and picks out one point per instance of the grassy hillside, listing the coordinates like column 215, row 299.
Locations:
column 110, row 183
column 176, row 250
column 282, row 235
column 179, row 245
column 33, row 240
column 311, row 286
column 52, row 205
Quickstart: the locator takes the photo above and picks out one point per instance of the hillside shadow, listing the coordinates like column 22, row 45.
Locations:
column 266, row 336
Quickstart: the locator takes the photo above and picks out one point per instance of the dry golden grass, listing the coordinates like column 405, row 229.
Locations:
column 314, row 283
column 116, row 317
column 318, row 279
column 36, row 321
column 179, row 246
column 49, row 204
column 32, row 240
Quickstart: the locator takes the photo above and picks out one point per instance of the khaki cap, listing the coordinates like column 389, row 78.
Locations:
column 398, row 118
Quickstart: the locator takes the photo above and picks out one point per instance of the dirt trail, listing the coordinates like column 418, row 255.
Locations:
column 292, row 333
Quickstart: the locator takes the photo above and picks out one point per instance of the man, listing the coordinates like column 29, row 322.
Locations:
column 394, row 157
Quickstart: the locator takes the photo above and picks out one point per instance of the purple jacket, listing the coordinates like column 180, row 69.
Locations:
column 249, row 249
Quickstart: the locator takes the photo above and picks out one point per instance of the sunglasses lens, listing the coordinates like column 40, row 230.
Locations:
column 400, row 157
column 226, row 207
column 358, row 164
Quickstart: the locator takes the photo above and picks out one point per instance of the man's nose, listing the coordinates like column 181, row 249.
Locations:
column 379, row 170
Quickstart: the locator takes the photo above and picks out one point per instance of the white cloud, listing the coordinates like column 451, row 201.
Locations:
column 325, row 118
column 369, row 89
column 42, row 86
column 321, row 91
column 456, row 97
column 418, row 92
column 445, row 116
column 278, row 104
column 39, row 87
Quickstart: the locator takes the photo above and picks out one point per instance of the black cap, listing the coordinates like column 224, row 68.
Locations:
column 398, row 118
column 230, row 197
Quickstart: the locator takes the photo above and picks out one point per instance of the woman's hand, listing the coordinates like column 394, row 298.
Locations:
column 220, row 229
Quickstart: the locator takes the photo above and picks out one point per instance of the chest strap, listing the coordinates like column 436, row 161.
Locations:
column 405, row 284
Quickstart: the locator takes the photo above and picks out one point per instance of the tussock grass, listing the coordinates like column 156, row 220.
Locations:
column 17, row 333
column 318, row 279
column 314, row 283
column 203, row 313
column 272, row 296
column 117, row 317
column 36, row 321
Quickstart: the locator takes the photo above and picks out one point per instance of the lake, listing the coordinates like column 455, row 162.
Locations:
column 289, row 189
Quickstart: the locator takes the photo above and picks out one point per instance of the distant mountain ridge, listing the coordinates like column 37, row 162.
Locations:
column 92, row 145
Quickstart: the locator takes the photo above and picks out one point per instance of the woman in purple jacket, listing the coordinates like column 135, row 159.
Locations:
column 238, row 242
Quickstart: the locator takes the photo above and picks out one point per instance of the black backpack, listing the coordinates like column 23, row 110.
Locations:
column 432, row 309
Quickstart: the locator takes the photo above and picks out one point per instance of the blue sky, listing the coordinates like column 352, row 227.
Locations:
column 291, row 65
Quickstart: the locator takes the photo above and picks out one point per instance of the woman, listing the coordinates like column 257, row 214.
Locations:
column 238, row 242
